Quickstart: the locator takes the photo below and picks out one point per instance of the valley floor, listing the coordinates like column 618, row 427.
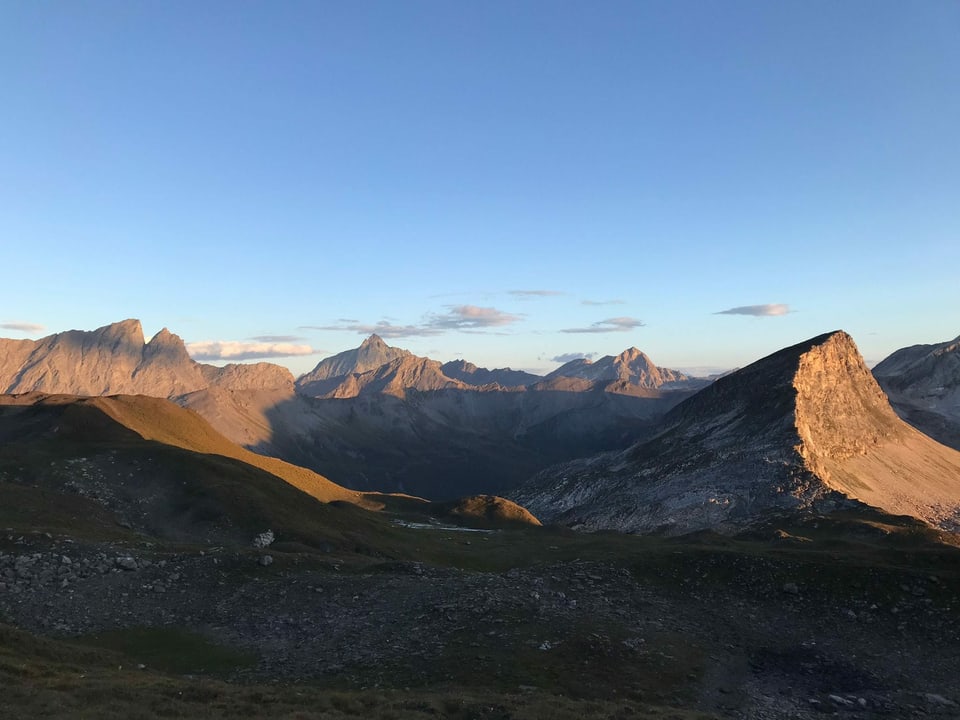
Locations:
column 507, row 624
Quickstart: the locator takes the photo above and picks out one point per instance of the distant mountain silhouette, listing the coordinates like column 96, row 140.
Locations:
column 631, row 367
column 374, row 418
column 472, row 375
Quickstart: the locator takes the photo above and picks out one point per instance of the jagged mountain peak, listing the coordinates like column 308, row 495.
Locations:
column 631, row 354
column 373, row 341
column 805, row 427
column 110, row 360
column 372, row 353
column 631, row 370
column 131, row 327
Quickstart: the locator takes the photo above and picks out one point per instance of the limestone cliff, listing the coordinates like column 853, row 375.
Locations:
column 114, row 359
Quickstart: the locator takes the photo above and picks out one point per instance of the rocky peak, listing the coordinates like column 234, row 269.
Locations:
column 372, row 354
column 115, row 360
column 374, row 341
column 804, row 427
column 167, row 345
column 631, row 370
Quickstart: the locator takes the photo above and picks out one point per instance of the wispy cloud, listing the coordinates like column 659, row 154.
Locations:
column 568, row 357
column 535, row 293
column 602, row 302
column 470, row 317
column 617, row 324
column 22, row 327
column 278, row 338
column 384, row 329
column 459, row 318
column 237, row 350
column 772, row 310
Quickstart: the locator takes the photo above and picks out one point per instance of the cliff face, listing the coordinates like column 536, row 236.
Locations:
column 115, row 360
column 804, row 428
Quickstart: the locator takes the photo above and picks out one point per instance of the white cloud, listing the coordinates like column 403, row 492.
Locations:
column 602, row 302
column 237, row 350
column 617, row 324
column 772, row 310
column 22, row 327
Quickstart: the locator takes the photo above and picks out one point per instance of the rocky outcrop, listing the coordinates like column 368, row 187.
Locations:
column 805, row 428
column 486, row 511
column 923, row 382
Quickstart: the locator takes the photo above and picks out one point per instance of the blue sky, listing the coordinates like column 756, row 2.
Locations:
column 509, row 182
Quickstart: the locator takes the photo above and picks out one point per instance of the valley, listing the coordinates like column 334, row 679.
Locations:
column 150, row 566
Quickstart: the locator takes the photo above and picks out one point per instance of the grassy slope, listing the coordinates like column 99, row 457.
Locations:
column 167, row 423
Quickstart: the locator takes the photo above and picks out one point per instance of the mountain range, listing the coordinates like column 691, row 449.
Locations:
column 805, row 429
column 374, row 417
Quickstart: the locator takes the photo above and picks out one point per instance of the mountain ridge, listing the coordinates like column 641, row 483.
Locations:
column 923, row 382
column 804, row 428
column 116, row 359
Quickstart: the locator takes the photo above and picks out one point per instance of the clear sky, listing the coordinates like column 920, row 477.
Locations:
column 509, row 182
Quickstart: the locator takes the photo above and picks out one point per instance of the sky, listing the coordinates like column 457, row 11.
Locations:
column 514, row 183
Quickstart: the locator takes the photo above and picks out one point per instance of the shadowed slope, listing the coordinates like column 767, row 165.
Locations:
column 164, row 422
column 805, row 427
column 923, row 382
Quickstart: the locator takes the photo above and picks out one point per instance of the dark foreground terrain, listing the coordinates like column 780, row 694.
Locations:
column 131, row 586
column 856, row 616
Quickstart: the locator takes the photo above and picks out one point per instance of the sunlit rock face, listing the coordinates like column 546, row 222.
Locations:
column 804, row 429
column 114, row 359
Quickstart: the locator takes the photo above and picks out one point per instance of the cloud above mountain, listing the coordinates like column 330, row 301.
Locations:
column 616, row 324
column 384, row 329
column 471, row 317
column 462, row 318
column 772, row 310
column 278, row 338
column 22, row 327
column 238, row 350
column 568, row 357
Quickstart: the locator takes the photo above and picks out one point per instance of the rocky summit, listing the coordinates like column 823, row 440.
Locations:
column 806, row 428
column 114, row 359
